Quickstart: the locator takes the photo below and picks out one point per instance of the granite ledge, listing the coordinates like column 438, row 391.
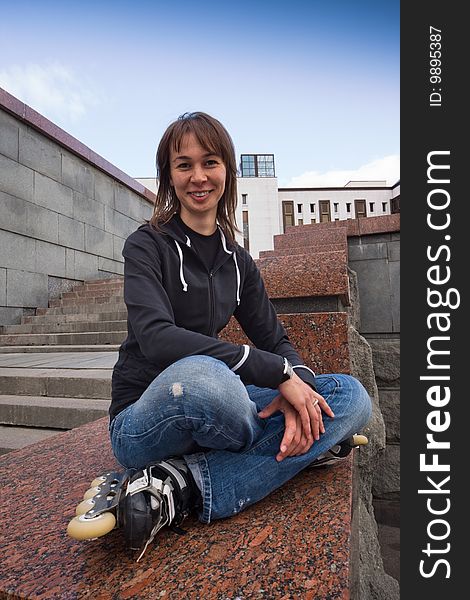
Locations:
column 322, row 339
column 265, row 551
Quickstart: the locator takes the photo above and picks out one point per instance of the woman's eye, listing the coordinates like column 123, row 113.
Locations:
column 183, row 166
column 212, row 163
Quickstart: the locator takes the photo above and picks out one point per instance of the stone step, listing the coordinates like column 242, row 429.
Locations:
column 98, row 292
column 93, row 317
column 311, row 249
column 50, row 412
column 288, row 277
column 323, row 338
column 84, row 338
column 355, row 227
column 65, row 327
column 15, row 438
column 307, row 238
column 94, row 283
column 83, row 309
column 91, row 300
column 58, row 348
column 56, row 383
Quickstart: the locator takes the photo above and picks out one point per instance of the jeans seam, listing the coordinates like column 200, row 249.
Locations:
column 200, row 461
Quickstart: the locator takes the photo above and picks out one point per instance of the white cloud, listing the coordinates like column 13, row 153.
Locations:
column 382, row 169
column 52, row 90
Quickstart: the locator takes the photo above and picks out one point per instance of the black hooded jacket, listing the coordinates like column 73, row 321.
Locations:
column 176, row 308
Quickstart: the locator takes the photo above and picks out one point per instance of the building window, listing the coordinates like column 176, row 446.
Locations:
column 336, row 205
column 312, row 221
column 324, row 209
column 312, row 207
column 287, row 214
column 244, row 196
column 300, row 222
column 384, row 207
column 360, row 208
column 246, row 231
column 299, row 208
column 257, row 165
column 371, row 206
column 348, row 207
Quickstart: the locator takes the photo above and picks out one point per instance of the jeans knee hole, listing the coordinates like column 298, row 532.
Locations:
column 177, row 390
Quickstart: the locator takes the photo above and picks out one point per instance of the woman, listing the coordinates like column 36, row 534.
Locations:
column 222, row 425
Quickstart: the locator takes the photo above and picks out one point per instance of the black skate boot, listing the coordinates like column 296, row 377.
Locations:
column 162, row 494
column 338, row 452
column 140, row 501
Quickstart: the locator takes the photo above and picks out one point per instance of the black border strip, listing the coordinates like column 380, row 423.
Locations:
column 432, row 133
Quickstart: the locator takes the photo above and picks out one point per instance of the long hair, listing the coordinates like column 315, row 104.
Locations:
column 214, row 138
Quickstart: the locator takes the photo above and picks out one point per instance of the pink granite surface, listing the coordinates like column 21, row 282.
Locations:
column 335, row 235
column 294, row 276
column 317, row 250
column 364, row 226
column 385, row 224
column 294, row 544
column 320, row 338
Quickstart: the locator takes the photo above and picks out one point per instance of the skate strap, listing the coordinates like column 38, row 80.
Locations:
column 171, row 470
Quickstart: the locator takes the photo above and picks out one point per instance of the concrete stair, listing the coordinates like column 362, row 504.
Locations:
column 55, row 366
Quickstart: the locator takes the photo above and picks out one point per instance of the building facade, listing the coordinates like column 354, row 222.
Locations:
column 265, row 210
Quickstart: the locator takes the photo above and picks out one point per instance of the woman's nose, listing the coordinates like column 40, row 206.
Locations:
column 198, row 174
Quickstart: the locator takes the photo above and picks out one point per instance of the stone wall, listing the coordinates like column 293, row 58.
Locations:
column 65, row 211
column 375, row 258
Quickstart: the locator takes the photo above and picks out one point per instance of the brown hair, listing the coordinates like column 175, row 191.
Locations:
column 214, row 138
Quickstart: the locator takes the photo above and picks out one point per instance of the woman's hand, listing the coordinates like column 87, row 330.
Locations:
column 302, row 409
column 294, row 441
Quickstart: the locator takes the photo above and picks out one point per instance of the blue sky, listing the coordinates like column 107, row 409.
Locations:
column 316, row 83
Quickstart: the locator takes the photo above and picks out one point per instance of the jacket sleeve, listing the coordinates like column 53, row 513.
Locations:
column 258, row 319
column 160, row 340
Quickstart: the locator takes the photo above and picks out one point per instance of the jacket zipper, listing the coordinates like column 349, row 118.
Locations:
column 212, row 302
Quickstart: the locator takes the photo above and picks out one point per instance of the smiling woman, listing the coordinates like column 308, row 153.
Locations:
column 198, row 178
column 196, row 150
column 195, row 415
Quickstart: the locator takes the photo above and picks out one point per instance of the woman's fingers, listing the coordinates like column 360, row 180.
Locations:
column 290, row 418
column 302, row 408
column 271, row 408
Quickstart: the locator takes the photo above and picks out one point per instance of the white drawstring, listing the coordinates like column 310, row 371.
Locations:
column 238, row 278
column 234, row 256
column 185, row 285
column 224, row 245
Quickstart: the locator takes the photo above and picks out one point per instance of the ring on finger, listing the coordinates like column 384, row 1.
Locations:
column 315, row 402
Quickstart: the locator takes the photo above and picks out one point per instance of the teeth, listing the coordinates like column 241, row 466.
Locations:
column 199, row 194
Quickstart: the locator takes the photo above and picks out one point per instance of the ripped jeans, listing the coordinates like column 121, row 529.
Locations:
column 199, row 409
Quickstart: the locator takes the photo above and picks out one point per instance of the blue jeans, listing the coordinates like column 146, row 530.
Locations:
column 199, row 409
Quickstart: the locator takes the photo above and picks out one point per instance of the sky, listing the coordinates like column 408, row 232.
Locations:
column 316, row 83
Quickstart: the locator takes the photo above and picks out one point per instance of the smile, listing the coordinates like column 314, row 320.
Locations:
column 202, row 194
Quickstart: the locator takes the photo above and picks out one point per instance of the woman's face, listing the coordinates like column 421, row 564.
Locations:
column 198, row 178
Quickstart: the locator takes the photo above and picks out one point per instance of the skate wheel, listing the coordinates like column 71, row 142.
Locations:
column 81, row 528
column 84, row 507
column 359, row 440
column 91, row 492
column 98, row 481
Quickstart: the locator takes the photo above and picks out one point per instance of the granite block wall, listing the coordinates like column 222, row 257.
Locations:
column 65, row 211
column 375, row 257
